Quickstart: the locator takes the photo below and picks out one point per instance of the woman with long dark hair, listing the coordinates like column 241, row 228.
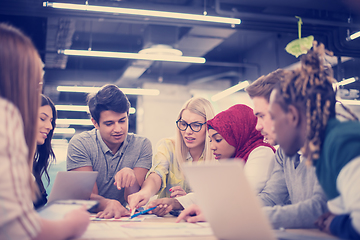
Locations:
column 44, row 153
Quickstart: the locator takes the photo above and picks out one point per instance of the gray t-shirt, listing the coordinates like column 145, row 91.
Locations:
column 88, row 149
column 293, row 197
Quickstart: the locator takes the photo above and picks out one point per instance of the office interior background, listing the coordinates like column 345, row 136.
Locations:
column 229, row 53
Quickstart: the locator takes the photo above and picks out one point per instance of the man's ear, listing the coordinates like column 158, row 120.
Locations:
column 294, row 116
column 96, row 125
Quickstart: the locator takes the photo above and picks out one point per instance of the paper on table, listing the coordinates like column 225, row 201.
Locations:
column 164, row 229
column 122, row 230
column 103, row 230
column 124, row 219
column 160, row 229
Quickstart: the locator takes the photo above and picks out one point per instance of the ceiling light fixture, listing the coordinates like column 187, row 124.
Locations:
column 72, row 108
column 56, row 141
column 229, row 91
column 349, row 102
column 353, row 36
column 347, row 81
column 78, row 108
column 64, row 131
column 128, row 91
column 66, row 121
column 162, row 49
column 137, row 56
column 142, row 12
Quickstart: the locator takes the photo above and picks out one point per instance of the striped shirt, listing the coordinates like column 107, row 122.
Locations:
column 18, row 219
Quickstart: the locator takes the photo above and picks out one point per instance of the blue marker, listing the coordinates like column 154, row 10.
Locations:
column 142, row 212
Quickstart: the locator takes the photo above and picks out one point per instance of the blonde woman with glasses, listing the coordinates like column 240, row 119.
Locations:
column 191, row 143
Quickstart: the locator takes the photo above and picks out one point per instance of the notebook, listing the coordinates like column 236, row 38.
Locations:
column 72, row 185
column 227, row 200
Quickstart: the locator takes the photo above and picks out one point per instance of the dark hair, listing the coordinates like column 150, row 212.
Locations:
column 263, row 86
column 109, row 97
column 44, row 152
column 310, row 89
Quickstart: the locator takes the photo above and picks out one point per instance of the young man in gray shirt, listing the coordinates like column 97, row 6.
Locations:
column 122, row 159
column 292, row 196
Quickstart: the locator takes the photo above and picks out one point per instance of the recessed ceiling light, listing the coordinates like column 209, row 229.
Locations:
column 161, row 49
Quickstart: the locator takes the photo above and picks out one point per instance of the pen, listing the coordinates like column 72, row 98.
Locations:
column 142, row 212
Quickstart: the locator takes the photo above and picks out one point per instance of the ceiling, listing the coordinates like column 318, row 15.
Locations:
column 235, row 53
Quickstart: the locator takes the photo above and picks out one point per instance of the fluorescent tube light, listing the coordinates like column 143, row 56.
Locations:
column 78, row 108
column 72, row 108
column 229, row 91
column 142, row 12
column 55, row 141
column 344, row 82
column 347, row 81
column 129, row 91
column 350, row 102
column 354, row 35
column 64, row 131
column 137, row 56
column 64, row 121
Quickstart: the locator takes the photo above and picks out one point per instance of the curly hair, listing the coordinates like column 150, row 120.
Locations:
column 311, row 90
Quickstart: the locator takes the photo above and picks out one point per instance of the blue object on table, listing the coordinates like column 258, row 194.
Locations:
column 142, row 212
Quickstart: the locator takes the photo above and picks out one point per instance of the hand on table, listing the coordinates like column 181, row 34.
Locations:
column 177, row 191
column 164, row 206
column 113, row 209
column 125, row 178
column 324, row 221
column 191, row 214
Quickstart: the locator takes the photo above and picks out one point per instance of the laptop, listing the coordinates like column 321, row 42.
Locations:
column 228, row 202
column 72, row 185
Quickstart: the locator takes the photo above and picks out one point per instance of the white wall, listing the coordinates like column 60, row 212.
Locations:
column 156, row 115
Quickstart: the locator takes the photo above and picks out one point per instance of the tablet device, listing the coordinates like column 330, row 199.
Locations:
column 57, row 209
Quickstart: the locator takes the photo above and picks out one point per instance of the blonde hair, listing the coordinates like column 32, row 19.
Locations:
column 21, row 82
column 202, row 107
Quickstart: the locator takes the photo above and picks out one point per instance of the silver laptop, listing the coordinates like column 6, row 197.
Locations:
column 227, row 200
column 73, row 185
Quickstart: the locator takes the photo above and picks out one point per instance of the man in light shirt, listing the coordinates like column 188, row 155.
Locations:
column 292, row 196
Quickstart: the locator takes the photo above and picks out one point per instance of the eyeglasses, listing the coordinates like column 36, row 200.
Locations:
column 195, row 126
